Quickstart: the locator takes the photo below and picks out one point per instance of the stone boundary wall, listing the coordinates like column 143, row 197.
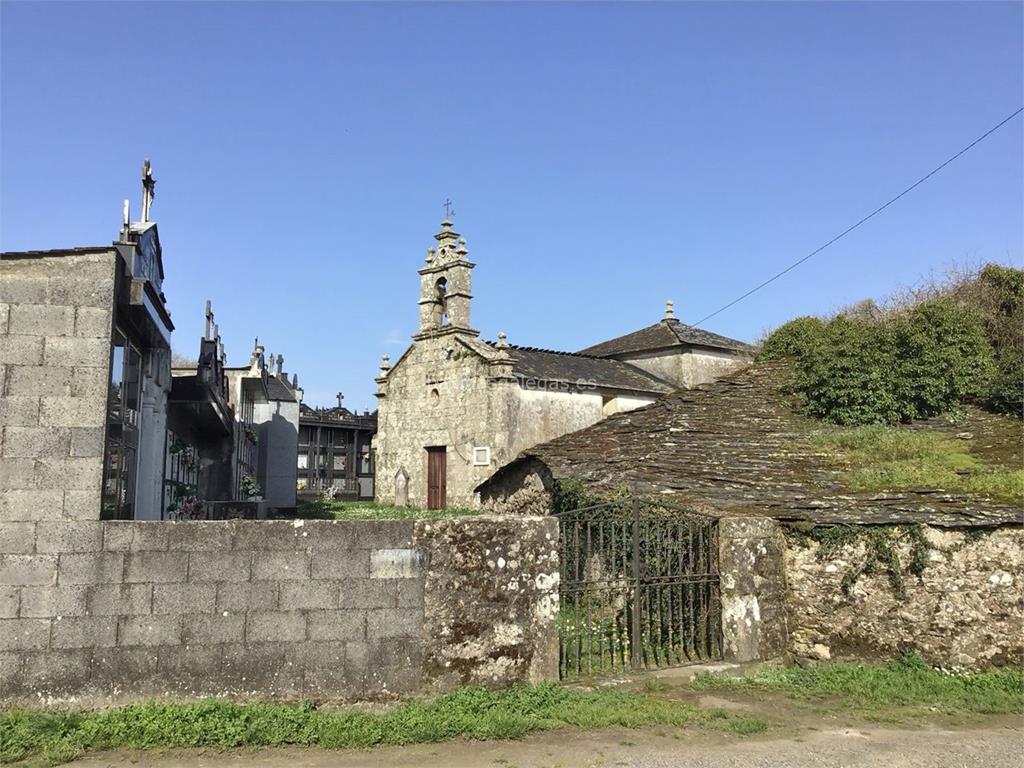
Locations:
column 965, row 610
column 781, row 598
column 753, row 588
column 95, row 612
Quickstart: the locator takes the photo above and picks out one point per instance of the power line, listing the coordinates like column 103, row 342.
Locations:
column 874, row 213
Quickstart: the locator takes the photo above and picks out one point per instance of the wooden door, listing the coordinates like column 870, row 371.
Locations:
column 437, row 475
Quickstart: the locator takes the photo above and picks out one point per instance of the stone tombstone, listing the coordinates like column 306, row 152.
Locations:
column 401, row 488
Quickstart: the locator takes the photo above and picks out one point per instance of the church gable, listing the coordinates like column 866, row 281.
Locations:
column 667, row 334
column 682, row 354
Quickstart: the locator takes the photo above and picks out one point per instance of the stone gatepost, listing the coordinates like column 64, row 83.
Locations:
column 753, row 588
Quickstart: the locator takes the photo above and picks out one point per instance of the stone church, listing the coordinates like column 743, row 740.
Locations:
column 454, row 408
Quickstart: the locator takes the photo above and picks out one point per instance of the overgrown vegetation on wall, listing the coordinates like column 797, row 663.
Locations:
column 881, row 544
column 332, row 509
column 895, row 551
column 950, row 342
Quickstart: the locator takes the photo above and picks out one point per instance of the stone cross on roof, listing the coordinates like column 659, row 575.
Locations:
column 148, row 189
column 209, row 321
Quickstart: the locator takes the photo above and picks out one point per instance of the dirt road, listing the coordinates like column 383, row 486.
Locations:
column 994, row 743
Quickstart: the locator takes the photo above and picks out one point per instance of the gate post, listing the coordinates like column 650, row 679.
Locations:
column 753, row 588
column 635, row 647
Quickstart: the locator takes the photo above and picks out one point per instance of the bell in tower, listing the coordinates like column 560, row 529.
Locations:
column 445, row 286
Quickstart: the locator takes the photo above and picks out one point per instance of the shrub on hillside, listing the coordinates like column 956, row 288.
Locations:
column 845, row 375
column 1006, row 392
column 924, row 355
column 998, row 295
column 792, row 339
column 943, row 358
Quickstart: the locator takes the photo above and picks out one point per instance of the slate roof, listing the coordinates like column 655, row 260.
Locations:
column 38, row 254
column 335, row 414
column 667, row 333
column 575, row 369
column 739, row 446
column 278, row 390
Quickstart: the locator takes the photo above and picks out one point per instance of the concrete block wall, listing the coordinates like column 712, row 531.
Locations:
column 55, row 330
column 100, row 611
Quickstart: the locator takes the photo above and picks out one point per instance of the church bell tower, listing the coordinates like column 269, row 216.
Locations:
column 445, row 286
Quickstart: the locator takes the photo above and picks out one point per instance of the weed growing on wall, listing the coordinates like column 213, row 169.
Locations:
column 882, row 545
column 572, row 493
column 331, row 509
column 881, row 550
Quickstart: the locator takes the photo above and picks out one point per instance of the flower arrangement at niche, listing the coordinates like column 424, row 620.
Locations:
column 251, row 434
column 185, row 505
column 249, row 487
column 190, row 508
column 186, row 453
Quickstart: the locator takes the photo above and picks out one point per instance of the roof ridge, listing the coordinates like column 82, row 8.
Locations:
column 549, row 351
column 678, row 333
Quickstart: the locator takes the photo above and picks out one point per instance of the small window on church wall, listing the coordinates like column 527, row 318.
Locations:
column 435, row 396
column 481, row 457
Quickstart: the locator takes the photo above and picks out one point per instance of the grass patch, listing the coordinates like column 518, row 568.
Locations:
column 368, row 510
column 49, row 738
column 882, row 458
column 656, row 685
column 747, row 726
column 904, row 683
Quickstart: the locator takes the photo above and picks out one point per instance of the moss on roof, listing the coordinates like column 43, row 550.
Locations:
column 740, row 444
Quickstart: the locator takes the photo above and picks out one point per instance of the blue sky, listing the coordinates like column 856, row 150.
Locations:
column 601, row 157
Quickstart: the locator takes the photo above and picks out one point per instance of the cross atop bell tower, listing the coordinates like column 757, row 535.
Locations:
column 445, row 284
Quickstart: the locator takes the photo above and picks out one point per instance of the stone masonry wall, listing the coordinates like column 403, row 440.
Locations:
column 689, row 368
column 101, row 611
column 966, row 609
column 469, row 409
column 410, row 418
column 753, row 588
column 781, row 597
column 55, row 327
column 492, row 597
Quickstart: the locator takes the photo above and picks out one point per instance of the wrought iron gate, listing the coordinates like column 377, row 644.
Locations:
column 639, row 588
